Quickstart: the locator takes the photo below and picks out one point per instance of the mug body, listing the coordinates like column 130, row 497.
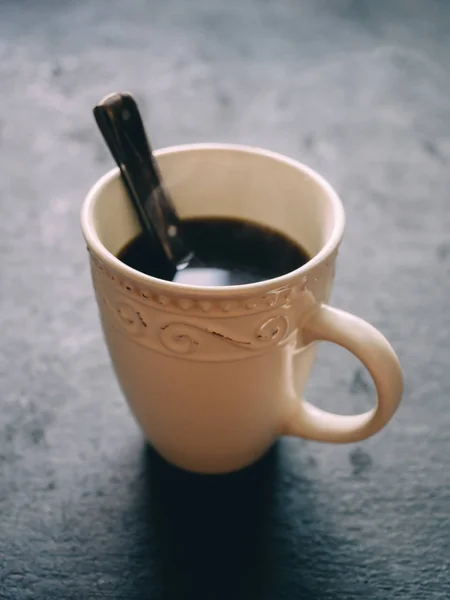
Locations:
column 208, row 371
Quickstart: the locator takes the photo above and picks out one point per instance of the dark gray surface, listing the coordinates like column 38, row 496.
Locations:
column 359, row 90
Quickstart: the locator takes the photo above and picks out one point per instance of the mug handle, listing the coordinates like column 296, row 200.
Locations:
column 376, row 354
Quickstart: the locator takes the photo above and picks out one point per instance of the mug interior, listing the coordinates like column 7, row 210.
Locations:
column 226, row 181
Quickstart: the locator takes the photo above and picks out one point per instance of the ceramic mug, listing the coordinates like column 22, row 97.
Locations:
column 214, row 375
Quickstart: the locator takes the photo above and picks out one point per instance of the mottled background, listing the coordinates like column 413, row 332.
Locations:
column 359, row 90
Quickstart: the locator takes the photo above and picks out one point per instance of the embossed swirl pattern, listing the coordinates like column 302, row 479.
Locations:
column 185, row 338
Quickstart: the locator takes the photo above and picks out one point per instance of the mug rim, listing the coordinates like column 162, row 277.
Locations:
column 94, row 243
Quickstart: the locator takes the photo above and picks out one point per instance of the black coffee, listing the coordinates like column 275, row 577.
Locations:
column 227, row 252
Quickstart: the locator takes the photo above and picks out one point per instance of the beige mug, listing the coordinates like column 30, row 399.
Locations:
column 214, row 375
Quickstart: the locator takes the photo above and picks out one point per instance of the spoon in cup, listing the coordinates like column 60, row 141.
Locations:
column 118, row 118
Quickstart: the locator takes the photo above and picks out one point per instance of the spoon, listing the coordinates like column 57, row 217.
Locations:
column 120, row 123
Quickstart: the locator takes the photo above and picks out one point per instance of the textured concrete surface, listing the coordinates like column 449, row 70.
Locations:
column 357, row 89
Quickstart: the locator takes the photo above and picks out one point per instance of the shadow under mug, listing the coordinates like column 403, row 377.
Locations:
column 214, row 375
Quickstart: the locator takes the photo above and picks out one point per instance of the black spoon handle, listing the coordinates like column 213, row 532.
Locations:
column 120, row 122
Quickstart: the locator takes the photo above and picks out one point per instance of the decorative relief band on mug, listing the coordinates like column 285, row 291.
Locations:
column 188, row 338
column 194, row 337
column 316, row 282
